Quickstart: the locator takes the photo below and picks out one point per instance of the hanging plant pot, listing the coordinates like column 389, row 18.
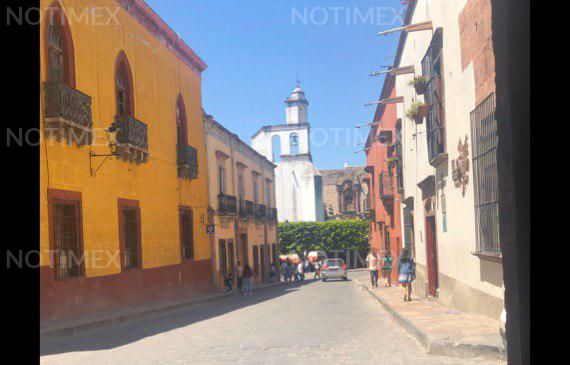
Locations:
column 419, row 83
column 424, row 109
column 418, row 111
column 420, row 88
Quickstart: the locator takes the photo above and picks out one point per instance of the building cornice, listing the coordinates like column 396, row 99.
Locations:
column 219, row 132
column 144, row 14
column 281, row 127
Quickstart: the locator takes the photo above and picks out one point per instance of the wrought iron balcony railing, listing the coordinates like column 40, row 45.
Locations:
column 227, row 204
column 242, row 211
column 249, row 208
column 260, row 211
column 187, row 160
column 271, row 214
column 67, row 113
column 385, row 186
column 132, row 138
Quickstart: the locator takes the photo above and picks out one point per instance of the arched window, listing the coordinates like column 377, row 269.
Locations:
column 294, row 143
column 276, row 148
column 181, row 126
column 124, row 86
column 60, row 59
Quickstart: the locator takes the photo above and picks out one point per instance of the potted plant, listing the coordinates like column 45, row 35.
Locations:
column 419, row 83
column 417, row 111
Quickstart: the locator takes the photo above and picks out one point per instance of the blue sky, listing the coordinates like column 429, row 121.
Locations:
column 254, row 49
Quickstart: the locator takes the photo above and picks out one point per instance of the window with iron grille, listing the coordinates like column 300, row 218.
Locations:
column 187, row 233
column 432, row 70
column 131, row 237
column 400, row 156
column 223, row 257
column 122, row 90
column 57, row 50
column 485, row 176
column 67, row 234
column 409, row 230
column 255, row 260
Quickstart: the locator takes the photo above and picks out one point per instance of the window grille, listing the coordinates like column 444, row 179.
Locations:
column 432, row 71
column 132, row 240
column 68, row 258
column 187, row 234
column 485, row 176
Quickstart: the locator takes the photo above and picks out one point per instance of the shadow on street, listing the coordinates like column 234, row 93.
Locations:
column 120, row 334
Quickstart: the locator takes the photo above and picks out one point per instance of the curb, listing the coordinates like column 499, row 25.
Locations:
column 440, row 346
column 121, row 318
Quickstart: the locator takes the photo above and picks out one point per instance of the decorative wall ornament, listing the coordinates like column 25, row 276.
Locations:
column 460, row 166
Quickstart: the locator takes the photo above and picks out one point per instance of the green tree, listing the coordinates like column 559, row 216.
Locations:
column 327, row 236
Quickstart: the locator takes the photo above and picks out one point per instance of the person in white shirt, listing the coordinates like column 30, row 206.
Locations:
column 301, row 271
column 372, row 261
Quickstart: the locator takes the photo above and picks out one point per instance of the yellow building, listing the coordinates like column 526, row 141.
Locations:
column 242, row 201
column 124, row 182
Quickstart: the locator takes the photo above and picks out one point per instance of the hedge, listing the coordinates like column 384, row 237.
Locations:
column 326, row 236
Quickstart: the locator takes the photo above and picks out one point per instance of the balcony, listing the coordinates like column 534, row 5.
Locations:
column 227, row 204
column 132, row 138
column 260, row 212
column 242, row 211
column 370, row 211
column 249, row 208
column 67, row 113
column 187, row 160
column 271, row 214
column 385, row 186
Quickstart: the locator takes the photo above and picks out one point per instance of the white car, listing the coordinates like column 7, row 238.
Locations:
column 334, row 268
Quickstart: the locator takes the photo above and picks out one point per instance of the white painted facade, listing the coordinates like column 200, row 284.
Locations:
column 298, row 184
column 464, row 277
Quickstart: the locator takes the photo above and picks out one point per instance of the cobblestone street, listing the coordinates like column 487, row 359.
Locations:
column 333, row 321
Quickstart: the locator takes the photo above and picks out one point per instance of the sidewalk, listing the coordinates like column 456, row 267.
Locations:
column 441, row 330
column 69, row 326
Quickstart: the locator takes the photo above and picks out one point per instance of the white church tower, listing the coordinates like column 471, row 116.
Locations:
column 298, row 185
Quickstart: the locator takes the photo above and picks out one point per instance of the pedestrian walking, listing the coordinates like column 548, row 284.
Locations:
column 288, row 271
column 228, row 281
column 239, row 274
column 283, row 271
column 387, row 270
column 272, row 272
column 406, row 273
column 301, row 271
column 317, row 266
column 372, row 261
column 247, row 277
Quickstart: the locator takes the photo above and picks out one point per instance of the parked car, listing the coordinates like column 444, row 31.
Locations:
column 334, row 269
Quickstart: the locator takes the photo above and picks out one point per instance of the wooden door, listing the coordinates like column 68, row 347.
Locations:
column 431, row 254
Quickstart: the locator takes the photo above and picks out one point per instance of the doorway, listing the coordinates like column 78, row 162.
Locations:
column 243, row 252
column 431, row 255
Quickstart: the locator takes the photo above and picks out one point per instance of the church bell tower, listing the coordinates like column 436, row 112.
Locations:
column 296, row 107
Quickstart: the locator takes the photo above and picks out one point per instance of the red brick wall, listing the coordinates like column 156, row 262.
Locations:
column 477, row 45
